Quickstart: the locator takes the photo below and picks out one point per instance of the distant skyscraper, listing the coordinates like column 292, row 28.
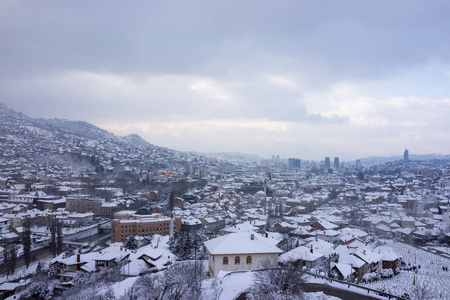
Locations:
column 294, row 163
column 336, row 163
column 327, row 163
column 201, row 173
column 406, row 155
column 358, row 164
column 190, row 169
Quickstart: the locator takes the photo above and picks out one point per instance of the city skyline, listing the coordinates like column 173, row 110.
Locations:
column 298, row 79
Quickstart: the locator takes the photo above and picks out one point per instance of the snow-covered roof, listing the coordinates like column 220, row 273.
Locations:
column 321, row 246
column 328, row 233
column 300, row 253
column 367, row 255
column 352, row 260
column 327, row 225
column 247, row 226
column 240, row 243
column 345, row 269
column 387, row 253
column 11, row 286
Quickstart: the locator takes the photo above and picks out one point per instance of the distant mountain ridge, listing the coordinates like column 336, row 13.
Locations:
column 48, row 141
column 76, row 128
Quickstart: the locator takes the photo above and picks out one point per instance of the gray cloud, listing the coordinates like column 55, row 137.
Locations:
column 208, row 60
column 346, row 38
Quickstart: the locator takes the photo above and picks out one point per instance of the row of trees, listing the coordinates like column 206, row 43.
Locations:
column 56, row 237
column 11, row 249
column 9, row 257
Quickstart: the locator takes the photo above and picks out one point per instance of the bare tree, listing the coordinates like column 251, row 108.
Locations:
column 422, row 291
column 9, row 257
column 182, row 281
column 279, row 283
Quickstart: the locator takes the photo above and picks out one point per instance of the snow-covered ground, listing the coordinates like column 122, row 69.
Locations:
column 233, row 285
column 122, row 287
column 430, row 274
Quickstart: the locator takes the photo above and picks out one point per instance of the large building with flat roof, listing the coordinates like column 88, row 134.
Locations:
column 124, row 225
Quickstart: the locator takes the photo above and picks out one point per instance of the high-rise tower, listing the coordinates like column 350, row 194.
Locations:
column 327, row 163
column 336, row 163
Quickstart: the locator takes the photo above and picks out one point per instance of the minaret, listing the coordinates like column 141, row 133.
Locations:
column 265, row 195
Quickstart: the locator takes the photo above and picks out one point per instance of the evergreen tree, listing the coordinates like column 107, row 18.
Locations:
column 59, row 237
column 53, row 247
column 131, row 243
column 175, row 243
column 6, row 257
column 187, row 246
column 26, row 241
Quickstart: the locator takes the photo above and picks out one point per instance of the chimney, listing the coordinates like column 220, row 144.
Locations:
column 267, row 235
column 78, row 258
column 312, row 251
column 252, row 236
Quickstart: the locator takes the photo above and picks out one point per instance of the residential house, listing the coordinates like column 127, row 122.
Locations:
column 241, row 251
column 302, row 257
column 390, row 258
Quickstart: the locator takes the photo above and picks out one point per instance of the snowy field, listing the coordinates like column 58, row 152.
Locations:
column 430, row 274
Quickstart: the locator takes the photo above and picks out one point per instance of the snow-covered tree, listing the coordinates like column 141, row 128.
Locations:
column 281, row 283
column 41, row 286
column 69, row 252
column 422, row 291
column 187, row 245
column 131, row 243
column 182, row 281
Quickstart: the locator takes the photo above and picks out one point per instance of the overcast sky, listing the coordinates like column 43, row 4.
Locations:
column 304, row 79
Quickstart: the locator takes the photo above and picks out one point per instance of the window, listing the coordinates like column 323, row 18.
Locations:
column 249, row 260
column 237, row 260
column 225, row 260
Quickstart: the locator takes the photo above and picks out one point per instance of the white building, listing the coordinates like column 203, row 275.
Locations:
column 303, row 256
column 330, row 236
column 241, row 251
